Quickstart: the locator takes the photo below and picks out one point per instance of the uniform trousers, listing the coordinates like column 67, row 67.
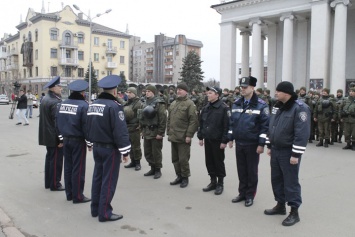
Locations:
column 284, row 177
column 136, row 151
column 152, row 152
column 104, row 180
column 53, row 167
column 349, row 132
column 214, row 158
column 247, row 166
column 74, row 168
column 324, row 128
column 180, row 156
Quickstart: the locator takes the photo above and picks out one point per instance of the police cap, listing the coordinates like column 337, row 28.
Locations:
column 109, row 82
column 248, row 81
column 78, row 85
column 52, row 83
column 215, row 89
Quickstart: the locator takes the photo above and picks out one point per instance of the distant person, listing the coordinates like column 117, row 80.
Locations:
column 21, row 108
column 30, row 99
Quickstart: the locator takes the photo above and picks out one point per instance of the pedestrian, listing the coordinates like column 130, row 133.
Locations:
column 30, row 99
column 249, row 124
column 288, row 134
column 347, row 115
column 48, row 136
column 181, row 127
column 71, row 123
column 152, row 120
column 21, row 108
column 213, row 134
column 131, row 114
column 107, row 130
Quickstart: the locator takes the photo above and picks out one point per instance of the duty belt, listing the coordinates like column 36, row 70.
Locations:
column 74, row 138
column 105, row 145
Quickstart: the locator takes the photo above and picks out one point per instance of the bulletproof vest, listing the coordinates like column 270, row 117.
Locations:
column 326, row 103
column 128, row 112
column 194, row 99
column 149, row 113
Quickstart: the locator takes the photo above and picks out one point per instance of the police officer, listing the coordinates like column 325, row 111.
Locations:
column 71, row 123
column 347, row 115
column 107, row 130
column 213, row 133
column 324, row 114
column 248, row 127
column 288, row 134
column 131, row 115
column 181, row 127
column 152, row 120
column 48, row 135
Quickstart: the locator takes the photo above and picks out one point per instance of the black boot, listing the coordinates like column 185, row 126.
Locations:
column 212, row 185
column 339, row 139
column 131, row 165
column 310, row 140
column 138, row 165
column 279, row 209
column 353, row 146
column 326, row 143
column 348, row 146
column 177, row 180
column 184, row 182
column 331, row 142
column 150, row 172
column 219, row 187
column 320, row 143
column 157, row 173
column 293, row 218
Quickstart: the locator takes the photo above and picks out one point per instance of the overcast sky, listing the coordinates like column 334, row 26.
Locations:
column 193, row 18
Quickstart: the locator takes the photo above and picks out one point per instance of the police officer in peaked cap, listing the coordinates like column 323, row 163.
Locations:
column 107, row 130
column 71, row 122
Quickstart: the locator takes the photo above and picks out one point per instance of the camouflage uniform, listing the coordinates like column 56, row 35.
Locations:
column 347, row 114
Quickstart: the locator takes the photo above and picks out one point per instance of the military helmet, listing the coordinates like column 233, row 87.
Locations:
column 128, row 113
column 149, row 112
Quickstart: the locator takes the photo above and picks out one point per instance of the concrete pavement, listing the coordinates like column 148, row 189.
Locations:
column 154, row 208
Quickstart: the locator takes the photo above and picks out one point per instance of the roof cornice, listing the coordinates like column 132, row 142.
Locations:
column 22, row 25
column 236, row 4
column 12, row 38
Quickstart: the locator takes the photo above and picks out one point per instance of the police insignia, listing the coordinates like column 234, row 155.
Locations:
column 121, row 115
column 229, row 113
column 266, row 111
column 303, row 116
column 243, row 79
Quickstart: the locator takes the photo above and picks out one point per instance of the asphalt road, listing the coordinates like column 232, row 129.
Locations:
column 154, row 208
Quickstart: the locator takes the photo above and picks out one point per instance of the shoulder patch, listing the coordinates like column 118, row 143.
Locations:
column 303, row 116
column 266, row 111
column 121, row 115
column 261, row 101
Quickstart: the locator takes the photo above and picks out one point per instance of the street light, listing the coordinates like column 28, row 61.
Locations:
column 90, row 20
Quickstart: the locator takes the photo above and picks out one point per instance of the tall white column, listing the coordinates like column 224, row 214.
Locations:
column 228, row 61
column 337, row 79
column 256, row 51
column 271, row 61
column 263, row 38
column 287, row 53
column 245, row 53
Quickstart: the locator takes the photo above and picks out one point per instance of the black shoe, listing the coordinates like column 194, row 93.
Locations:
column 94, row 214
column 18, row 123
column 59, row 188
column 249, row 202
column 178, row 180
column 184, row 182
column 238, row 199
column 113, row 217
column 320, row 143
column 279, row 209
column 331, row 142
column 85, row 199
column 131, row 165
column 219, row 189
column 347, row 147
column 292, row 219
column 150, row 172
column 157, row 174
column 69, row 198
column 310, row 141
column 137, row 167
column 26, row 124
column 210, row 187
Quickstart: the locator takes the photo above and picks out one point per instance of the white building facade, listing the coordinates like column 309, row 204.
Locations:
column 310, row 42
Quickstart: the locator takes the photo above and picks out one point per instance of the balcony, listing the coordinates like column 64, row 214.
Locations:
column 11, row 67
column 111, row 50
column 111, row 65
column 13, row 51
column 69, row 62
column 68, row 44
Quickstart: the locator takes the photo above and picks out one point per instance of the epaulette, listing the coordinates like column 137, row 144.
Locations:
column 261, row 101
column 299, row 102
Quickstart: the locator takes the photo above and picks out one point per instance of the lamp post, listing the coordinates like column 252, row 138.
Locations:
column 90, row 60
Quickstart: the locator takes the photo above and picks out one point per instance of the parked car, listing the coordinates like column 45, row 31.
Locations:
column 35, row 104
column 4, row 99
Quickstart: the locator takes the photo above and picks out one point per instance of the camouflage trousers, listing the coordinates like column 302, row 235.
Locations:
column 180, row 156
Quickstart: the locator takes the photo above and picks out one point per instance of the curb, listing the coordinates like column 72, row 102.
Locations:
column 7, row 226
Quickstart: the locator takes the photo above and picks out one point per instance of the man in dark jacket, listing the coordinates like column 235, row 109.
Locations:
column 213, row 133
column 21, row 108
column 249, row 124
column 288, row 134
column 48, row 136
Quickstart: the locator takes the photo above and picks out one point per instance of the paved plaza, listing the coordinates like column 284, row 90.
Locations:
column 154, row 208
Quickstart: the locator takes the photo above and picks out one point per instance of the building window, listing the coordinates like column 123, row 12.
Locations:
column 81, row 55
column 80, row 72
column 36, row 54
column 96, row 41
column 109, row 43
column 109, row 73
column 36, row 35
column 53, row 53
column 30, row 72
column 54, row 71
column 67, row 39
column 68, row 53
column 109, row 58
column 54, row 34
column 24, row 73
column 24, row 38
column 97, row 73
column 68, row 72
column 122, row 44
column 29, row 36
column 80, row 38
column 96, row 57
column 121, row 59
column 36, row 71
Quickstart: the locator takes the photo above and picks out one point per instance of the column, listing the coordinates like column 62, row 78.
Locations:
column 272, row 58
column 263, row 38
column 337, row 79
column 287, row 53
column 256, row 51
column 245, row 52
column 228, row 55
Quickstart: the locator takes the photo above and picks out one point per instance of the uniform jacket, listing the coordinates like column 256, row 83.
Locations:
column 72, row 116
column 325, row 109
column 307, row 100
column 249, row 124
column 214, row 122
column 133, row 105
column 347, row 110
column 47, row 132
column 182, row 120
column 106, row 123
column 22, row 102
column 289, row 126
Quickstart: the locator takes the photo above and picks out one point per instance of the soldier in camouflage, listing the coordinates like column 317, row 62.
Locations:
column 347, row 115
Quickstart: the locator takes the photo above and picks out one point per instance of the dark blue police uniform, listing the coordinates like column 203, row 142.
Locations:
column 71, row 123
column 108, row 132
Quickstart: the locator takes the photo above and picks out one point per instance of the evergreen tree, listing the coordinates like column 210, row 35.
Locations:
column 191, row 72
column 94, row 88
column 123, row 85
